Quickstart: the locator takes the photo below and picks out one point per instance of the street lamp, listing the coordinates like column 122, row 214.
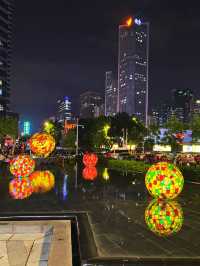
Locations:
column 77, row 134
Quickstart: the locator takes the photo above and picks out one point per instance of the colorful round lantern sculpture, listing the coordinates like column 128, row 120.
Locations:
column 89, row 173
column 42, row 181
column 164, row 218
column 20, row 188
column 42, row 144
column 90, row 159
column 164, row 180
column 22, row 166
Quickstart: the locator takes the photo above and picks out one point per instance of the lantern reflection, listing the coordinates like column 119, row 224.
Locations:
column 42, row 181
column 89, row 173
column 20, row 188
column 164, row 218
column 90, row 159
column 105, row 174
column 42, row 144
column 164, row 180
column 22, row 166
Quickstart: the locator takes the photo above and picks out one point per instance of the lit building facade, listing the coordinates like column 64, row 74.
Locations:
column 6, row 12
column 64, row 109
column 91, row 104
column 196, row 107
column 183, row 104
column 111, row 94
column 133, row 68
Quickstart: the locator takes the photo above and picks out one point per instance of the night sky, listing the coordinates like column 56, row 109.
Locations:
column 65, row 47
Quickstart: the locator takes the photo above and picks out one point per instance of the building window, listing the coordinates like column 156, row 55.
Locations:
column 1, row 107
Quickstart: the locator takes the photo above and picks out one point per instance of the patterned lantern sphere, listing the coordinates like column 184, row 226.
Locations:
column 164, row 218
column 20, row 188
column 89, row 173
column 164, row 180
column 90, row 159
column 42, row 144
column 22, row 166
column 42, row 181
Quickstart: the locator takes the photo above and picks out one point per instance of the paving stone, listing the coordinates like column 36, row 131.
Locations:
column 27, row 236
column 5, row 236
column 17, row 253
column 6, row 229
column 39, row 252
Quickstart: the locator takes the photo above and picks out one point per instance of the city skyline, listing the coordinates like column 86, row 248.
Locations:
column 51, row 57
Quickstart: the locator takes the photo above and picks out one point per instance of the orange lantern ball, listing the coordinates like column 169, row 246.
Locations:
column 42, row 181
column 42, row 144
column 89, row 173
column 20, row 188
column 22, row 166
column 90, row 159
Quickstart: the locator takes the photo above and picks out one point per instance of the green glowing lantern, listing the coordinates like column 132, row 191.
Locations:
column 164, row 218
column 164, row 180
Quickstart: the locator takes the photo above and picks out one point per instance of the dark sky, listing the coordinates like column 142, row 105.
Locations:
column 64, row 47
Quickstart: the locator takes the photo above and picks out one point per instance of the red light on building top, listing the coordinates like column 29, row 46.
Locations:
column 129, row 22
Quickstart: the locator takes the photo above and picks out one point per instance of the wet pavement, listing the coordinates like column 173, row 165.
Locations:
column 115, row 206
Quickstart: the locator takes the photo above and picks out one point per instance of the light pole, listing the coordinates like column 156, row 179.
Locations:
column 77, row 134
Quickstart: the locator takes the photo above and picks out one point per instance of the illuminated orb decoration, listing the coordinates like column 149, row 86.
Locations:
column 42, row 181
column 90, row 159
column 42, row 144
column 89, row 173
column 20, row 188
column 164, row 218
column 164, row 180
column 22, row 166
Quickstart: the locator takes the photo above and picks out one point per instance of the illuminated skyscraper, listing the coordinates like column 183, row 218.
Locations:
column 6, row 11
column 91, row 104
column 64, row 109
column 183, row 104
column 133, row 68
column 111, row 94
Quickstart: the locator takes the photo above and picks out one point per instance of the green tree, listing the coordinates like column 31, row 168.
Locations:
column 8, row 126
column 70, row 139
column 195, row 126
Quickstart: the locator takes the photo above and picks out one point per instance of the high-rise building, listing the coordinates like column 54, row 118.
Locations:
column 133, row 68
column 196, row 107
column 161, row 114
column 64, row 109
column 6, row 12
column 182, row 104
column 111, row 94
column 90, row 102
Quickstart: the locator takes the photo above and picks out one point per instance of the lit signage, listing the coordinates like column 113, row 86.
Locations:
column 138, row 21
column 162, row 148
column 191, row 148
column 27, row 128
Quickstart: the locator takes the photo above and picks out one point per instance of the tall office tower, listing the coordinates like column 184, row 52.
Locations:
column 6, row 11
column 111, row 94
column 133, row 68
column 182, row 104
column 161, row 114
column 64, row 109
column 90, row 102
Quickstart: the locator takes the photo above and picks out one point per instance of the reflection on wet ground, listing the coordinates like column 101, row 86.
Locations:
column 124, row 220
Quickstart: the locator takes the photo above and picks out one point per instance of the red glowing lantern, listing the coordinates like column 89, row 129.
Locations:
column 20, row 188
column 90, row 159
column 22, row 166
column 89, row 173
column 42, row 181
